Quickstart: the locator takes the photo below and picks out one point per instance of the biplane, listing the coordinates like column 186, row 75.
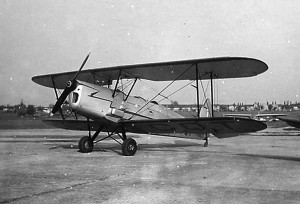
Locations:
column 98, row 94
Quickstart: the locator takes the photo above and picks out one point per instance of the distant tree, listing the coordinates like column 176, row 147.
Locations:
column 174, row 104
column 21, row 110
column 223, row 107
column 40, row 108
column 30, row 110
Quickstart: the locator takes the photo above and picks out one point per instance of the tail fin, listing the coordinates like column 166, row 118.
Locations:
column 206, row 109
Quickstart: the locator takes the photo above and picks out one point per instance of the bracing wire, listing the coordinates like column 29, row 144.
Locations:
column 204, row 91
column 125, row 85
column 152, row 88
column 167, row 97
column 163, row 90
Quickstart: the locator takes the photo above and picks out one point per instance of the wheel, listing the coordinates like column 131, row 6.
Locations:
column 129, row 147
column 85, row 144
column 205, row 143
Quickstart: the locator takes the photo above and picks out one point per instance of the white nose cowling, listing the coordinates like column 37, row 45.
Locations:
column 91, row 100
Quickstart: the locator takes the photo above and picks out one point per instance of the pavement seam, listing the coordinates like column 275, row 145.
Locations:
column 52, row 191
column 66, row 188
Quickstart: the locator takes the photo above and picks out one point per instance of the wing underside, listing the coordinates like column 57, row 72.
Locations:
column 220, row 127
column 73, row 124
column 83, row 125
column 291, row 121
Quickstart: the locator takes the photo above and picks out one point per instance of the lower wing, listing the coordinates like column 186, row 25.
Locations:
column 292, row 122
column 73, row 124
column 220, row 127
column 92, row 125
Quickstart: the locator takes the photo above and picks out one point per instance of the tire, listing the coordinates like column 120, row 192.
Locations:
column 85, row 144
column 129, row 147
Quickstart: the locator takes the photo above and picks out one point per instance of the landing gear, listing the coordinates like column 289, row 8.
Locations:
column 205, row 143
column 86, row 144
column 129, row 147
column 206, row 140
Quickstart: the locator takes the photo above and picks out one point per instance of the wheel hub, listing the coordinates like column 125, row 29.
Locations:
column 87, row 145
column 130, row 147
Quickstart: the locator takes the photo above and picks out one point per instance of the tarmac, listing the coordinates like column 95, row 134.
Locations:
column 44, row 166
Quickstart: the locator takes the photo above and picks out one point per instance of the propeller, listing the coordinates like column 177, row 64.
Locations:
column 71, row 86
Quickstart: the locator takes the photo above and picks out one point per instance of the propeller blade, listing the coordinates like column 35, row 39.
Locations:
column 71, row 86
column 86, row 58
column 60, row 101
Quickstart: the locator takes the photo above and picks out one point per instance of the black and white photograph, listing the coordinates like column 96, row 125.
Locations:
column 147, row 101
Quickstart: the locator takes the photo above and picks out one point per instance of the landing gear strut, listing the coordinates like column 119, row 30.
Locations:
column 129, row 145
column 86, row 143
column 206, row 140
column 205, row 143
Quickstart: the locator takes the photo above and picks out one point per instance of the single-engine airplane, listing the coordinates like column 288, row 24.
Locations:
column 111, row 110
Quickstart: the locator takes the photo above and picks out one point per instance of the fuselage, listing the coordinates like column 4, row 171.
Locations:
column 98, row 102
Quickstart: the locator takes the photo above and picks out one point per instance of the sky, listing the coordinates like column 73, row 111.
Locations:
column 51, row 36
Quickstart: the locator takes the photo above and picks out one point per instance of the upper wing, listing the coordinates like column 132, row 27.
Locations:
column 219, row 126
column 223, row 67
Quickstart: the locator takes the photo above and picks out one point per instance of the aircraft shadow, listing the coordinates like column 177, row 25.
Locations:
column 116, row 148
column 44, row 138
column 287, row 158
